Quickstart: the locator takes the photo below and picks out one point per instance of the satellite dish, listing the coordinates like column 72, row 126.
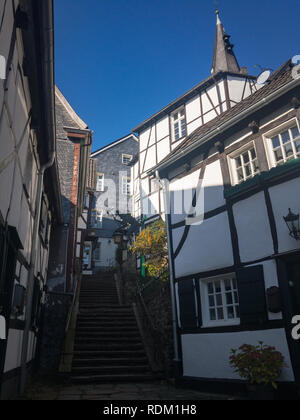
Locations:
column 264, row 77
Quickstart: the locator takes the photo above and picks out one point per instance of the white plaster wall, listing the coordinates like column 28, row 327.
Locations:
column 181, row 193
column 144, row 138
column 210, row 116
column 236, row 87
column 194, row 125
column 145, row 187
column 162, row 128
column 107, row 253
column 283, row 197
column 176, row 236
column 150, row 158
column 206, row 355
column 253, row 228
column 192, row 109
column 14, row 349
column 199, row 252
column 163, row 148
column 213, row 187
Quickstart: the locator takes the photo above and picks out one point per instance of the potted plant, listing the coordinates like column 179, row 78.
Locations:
column 261, row 365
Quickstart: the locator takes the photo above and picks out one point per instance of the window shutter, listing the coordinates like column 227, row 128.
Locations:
column 187, row 305
column 252, row 295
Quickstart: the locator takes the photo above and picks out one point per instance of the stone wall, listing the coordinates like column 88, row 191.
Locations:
column 157, row 299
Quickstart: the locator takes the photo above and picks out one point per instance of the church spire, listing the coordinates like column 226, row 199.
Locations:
column 224, row 58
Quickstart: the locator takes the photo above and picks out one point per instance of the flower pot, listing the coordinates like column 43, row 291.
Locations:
column 261, row 392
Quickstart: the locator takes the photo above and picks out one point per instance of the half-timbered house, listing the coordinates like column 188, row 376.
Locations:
column 163, row 132
column 235, row 263
column 30, row 201
column 228, row 152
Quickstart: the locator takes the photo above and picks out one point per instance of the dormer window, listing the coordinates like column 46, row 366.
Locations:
column 283, row 143
column 244, row 164
column 286, row 145
column 126, row 159
column 178, row 124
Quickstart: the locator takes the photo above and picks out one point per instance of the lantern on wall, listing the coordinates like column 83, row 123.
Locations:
column 118, row 237
column 292, row 221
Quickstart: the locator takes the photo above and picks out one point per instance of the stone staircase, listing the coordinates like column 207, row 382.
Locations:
column 108, row 345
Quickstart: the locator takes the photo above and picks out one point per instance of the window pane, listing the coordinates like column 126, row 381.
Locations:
column 236, row 298
column 219, row 300
column 246, row 157
column 218, row 286
column 230, row 312
column 228, row 284
column 278, row 155
column 220, row 313
column 229, row 298
column 212, row 313
column 297, row 146
column 211, row 301
column 210, row 288
column 276, row 142
column 289, row 150
column 253, row 154
column 248, row 170
column 295, row 132
column 285, row 137
column 238, row 162
column 176, row 116
column 240, row 175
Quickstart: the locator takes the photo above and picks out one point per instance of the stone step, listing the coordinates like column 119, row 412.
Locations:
column 111, row 354
column 107, row 340
column 113, row 378
column 110, row 370
column 98, row 333
column 108, row 314
column 108, row 346
column 107, row 329
column 119, row 361
column 114, row 320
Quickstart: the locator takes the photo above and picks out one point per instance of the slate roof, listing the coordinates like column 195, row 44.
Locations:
column 65, row 117
column 281, row 77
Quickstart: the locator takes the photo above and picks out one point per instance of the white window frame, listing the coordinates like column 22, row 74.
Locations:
column 269, row 145
column 129, row 157
column 98, row 175
column 206, row 321
column 182, row 134
column 232, row 163
column 125, row 183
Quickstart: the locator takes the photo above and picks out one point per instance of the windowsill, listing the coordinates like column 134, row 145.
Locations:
column 260, row 179
column 221, row 324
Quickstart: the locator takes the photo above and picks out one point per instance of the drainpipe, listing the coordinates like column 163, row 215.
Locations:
column 30, row 283
column 173, row 299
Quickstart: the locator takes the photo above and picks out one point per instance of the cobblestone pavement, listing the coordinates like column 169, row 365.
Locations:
column 115, row 391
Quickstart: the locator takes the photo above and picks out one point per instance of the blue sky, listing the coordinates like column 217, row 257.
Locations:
column 120, row 61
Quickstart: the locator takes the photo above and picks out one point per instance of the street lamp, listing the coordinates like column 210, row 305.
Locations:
column 118, row 237
column 292, row 221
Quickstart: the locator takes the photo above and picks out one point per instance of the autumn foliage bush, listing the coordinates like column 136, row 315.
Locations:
column 260, row 365
column 152, row 243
